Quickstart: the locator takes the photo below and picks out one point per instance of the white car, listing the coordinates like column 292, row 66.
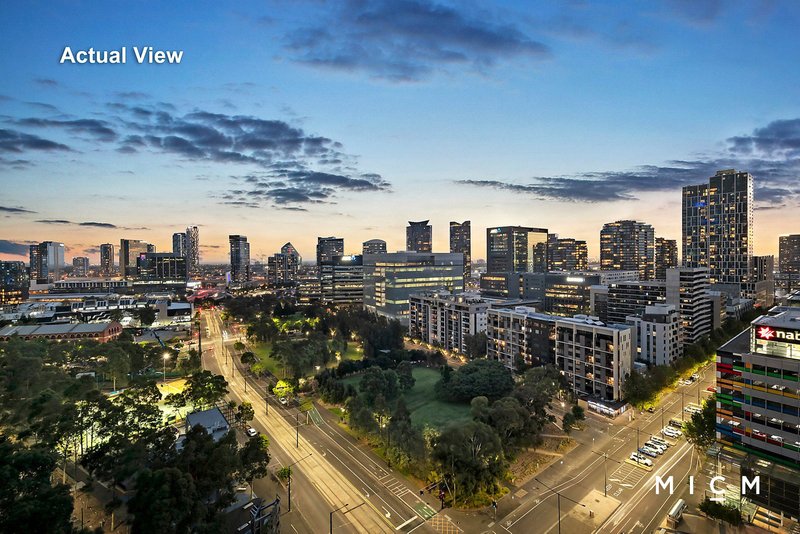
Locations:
column 283, row 401
column 641, row 459
column 653, row 445
column 251, row 431
column 659, row 441
column 652, row 453
column 671, row 432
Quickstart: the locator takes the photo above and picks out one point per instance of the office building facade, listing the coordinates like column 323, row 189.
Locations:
column 445, row 320
column 46, row 261
column 419, row 236
column 80, row 266
column 516, row 249
column 656, row 335
column 328, row 248
column 717, row 226
column 106, row 259
column 240, row 259
column 758, row 413
column 342, row 280
column 628, row 245
column 129, row 251
column 566, row 254
column 520, row 337
column 461, row 242
column 161, row 266
column 179, row 247
column 390, row 279
column 192, row 250
column 789, row 254
column 14, row 282
column 631, row 298
column 283, row 266
column 373, row 246
column 594, row 357
column 666, row 256
column 760, row 285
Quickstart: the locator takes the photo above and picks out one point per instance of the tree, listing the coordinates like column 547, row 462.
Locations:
column 146, row 315
column 509, row 419
column 28, row 501
column 489, row 378
column 283, row 389
column 476, row 345
column 254, row 457
column 244, row 413
column 567, row 421
column 249, row 358
column 700, row 430
column 479, row 409
column 578, row 413
column 405, row 375
column 725, row 512
column 239, row 346
column 202, row 389
column 539, row 386
column 166, row 500
column 378, row 382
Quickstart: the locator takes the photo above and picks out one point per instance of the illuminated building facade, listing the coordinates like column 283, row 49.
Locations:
column 628, row 245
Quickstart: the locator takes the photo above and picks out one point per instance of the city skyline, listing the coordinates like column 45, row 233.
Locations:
column 511, row 114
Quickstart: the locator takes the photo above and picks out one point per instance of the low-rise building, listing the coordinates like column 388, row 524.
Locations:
column 101, row 332
column 520, row 337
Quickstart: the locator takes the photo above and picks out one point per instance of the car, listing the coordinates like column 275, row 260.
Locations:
column 283, row 401
column 670, row 432
column 648, row 451
column 712, row 389
column 650, row 409
column 653, row 445
column 251, row 431
column 675, row 423
column 640, row 459
column 660, row 441
column 695, row 376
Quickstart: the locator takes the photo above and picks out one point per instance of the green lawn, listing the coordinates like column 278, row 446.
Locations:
column 422, row 402
column 262, row 351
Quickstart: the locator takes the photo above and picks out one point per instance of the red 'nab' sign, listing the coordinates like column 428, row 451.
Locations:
column 769, row 333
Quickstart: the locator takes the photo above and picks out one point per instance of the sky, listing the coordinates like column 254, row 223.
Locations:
column 288, row 120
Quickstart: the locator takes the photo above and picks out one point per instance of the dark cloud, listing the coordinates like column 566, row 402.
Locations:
column 776, row 176
column 46, row 82
column 409, row 40
column 99, row 129
column 54, row 221
column 779, row 138
column 9, row 209
column 98, row 224
column 43, row 106
column 17, row 142
column 210, row 246
column 131, row 95
column 92, row 224
column 91, row 250
column 13, row 248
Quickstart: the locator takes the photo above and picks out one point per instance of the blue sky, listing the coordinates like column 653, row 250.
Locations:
column 288, row 120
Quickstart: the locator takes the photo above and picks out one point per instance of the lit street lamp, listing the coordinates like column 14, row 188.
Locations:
column 165, row 357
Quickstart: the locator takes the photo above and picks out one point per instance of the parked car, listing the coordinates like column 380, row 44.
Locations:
column 675, row 423
column 712, row 389
column 653, row 445
column 251, row 431
column 283, row 401
column 671, row 432
column 641, row 459
column 660, row 441
column 648, row 451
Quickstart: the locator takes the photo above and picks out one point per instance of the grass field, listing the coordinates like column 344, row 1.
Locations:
column 422, row 402
column 262, row 350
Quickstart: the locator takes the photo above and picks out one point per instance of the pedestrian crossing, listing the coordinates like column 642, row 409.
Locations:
column 397, row 488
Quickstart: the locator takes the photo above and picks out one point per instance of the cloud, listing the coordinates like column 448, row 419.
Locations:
column 131, row 95
column 409, row 40
column 697, row 12
column 13, row 141
column 9, row 209
column 13, row 248
column 99, row 129
column 771, row 154
column 92, row 224
column 46, row 82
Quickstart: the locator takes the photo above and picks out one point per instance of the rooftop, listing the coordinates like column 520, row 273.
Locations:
column 780, row 317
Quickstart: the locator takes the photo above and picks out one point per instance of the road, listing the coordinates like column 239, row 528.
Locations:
column 332, row 469
column 632, row 506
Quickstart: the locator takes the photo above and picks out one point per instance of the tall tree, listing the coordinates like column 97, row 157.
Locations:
column 405, row 375
column 254, row 458
column 700, row 430
column 166, row 500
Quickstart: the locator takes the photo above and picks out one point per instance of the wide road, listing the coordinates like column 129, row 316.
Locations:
column 331, row 470
column 631, row 505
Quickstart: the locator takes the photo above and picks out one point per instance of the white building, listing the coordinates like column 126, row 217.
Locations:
column 594, row 356
column 444, row 319
column 656, row 335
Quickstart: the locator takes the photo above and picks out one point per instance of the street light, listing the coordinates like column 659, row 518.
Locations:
column 289, row 467
column 165, row 357
column 605, row 471
column 558, row 495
